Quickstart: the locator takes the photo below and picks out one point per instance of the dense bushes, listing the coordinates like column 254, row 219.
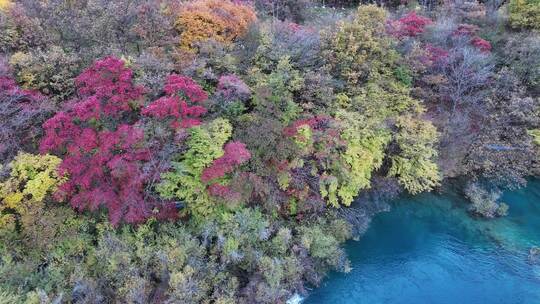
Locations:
column 80, row 259
column 220, row 159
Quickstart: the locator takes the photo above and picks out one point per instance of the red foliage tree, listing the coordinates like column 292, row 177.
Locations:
column 111, row 83
column 481, row 44
column 224, row 192
column 436, row 55
column 470, row 31
column 315, row 123
column 235, row 155
column 180, row 90
column 102, row 147
column 410, row 25
column 465, row 30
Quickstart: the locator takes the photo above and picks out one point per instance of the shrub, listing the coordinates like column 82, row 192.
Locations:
column 273, row 40
column 295, row 10
column 535, row 134
column 46, row 251
column 522, row 54
column 184, row 182
column 231, row 97
column 274, row 92
column 94, row 29
column 223, row 21
column 213, row 60
column 151, row 70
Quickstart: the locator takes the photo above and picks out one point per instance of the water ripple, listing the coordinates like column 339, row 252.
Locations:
column 427, row 250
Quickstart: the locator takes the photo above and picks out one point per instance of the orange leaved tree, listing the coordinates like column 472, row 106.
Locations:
column 221, row 20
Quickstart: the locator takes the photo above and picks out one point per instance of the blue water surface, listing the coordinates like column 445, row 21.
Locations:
column 428, row 250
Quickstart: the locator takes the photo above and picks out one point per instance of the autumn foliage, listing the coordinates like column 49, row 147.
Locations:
column 222, row 21
column 470, row 32
column 235, row 153
column 237, row 143
column 102, row 147
column 177, row 106
column 410, row 25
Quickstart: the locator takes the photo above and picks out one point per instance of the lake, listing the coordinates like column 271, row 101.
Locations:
column 427, row 249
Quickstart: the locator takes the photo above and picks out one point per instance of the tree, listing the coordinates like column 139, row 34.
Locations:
column 32, row 178
column 174, row 106
column 414, row 165
column 361, row 49
column 525, row 14
column 363, row 155
column 102, row 147
column 223, row 21
column 5, row 4
column 410, row 25
column 204, row 149
column 22, row 112
column 467, row 72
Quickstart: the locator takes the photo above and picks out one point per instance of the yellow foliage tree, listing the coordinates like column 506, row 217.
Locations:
column 360, row 50
column 32, row 178
column 363, row 155
column 414, row 166
column 222, row 21
column 5, row 4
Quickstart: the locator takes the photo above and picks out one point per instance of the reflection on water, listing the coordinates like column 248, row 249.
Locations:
column 428, row 250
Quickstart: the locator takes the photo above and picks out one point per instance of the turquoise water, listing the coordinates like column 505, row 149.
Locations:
column 428, row 250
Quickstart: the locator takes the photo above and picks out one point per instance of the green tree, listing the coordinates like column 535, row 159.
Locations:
column 525, row 14
column 205, row 144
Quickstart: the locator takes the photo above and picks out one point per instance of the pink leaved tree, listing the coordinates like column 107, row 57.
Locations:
column 103, row 148
column 179, row 105
column 410, row 25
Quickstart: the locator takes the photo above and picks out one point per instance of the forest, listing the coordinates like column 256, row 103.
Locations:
column 223, row 151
